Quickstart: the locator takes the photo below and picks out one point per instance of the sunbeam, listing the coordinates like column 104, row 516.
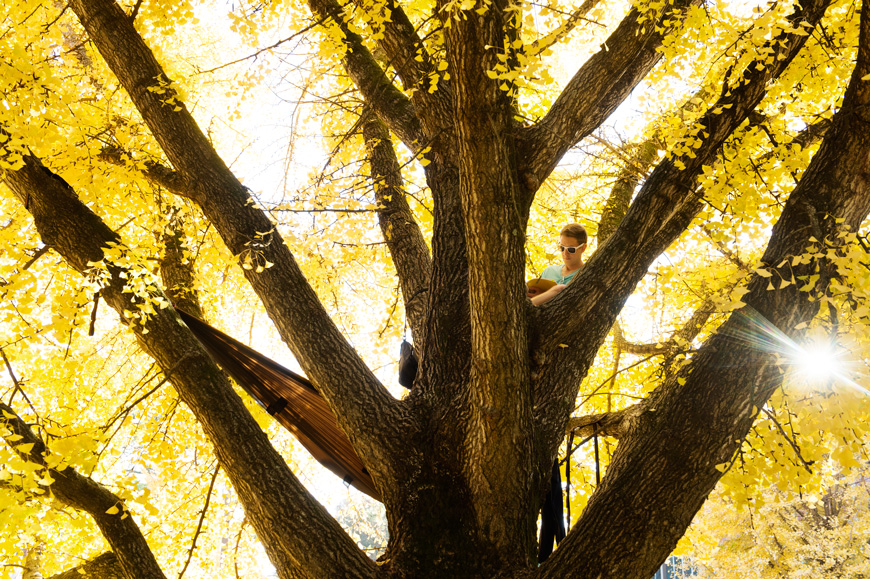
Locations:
column 818, row 361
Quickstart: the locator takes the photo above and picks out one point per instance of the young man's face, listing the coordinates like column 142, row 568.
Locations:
column 571, row 260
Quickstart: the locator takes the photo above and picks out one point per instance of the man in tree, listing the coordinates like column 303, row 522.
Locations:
column 572, row 243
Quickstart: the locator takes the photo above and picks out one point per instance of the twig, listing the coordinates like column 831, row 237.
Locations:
column 127, row 410
column 238, row 541
column 201, row 519
column 135, row 11
column 39, row 253
column 323, row 210
column 267, row 48
column 392, row 311
column 17, row 384
column 723, row 249
column 166, row 377
column 609, row 378
column 58, row 17
column 791, row 442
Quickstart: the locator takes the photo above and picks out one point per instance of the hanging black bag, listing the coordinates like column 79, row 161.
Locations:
column 407, row 365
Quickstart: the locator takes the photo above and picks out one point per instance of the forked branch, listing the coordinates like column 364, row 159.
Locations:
column 401, row 43
column 669, row 199
column 379, row 92
column 598, row 87
column 360, row 402
column 581, row 317
column 289, row 522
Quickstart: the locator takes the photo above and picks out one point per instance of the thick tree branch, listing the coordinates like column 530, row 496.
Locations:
column 710, row 405
column 363, row 407
column 290, row 523
column 83, row 493
column 33, row 562
column 595, row 91
column 556, row 36
column 176, row 270
column 400, row 230
column 615, row 424
column 388, row 102
column 155, row 172
column 622, row 192
column 104, row 566
column 637, row 166
column 430, row 90
column 809, row 135
column 812, row 133
column 684, row 335
column 447, row 311
column 401, row 44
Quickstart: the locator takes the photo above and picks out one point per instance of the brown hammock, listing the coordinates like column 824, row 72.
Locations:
column 291, row 399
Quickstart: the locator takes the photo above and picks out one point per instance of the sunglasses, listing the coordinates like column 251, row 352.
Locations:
column 569, row 249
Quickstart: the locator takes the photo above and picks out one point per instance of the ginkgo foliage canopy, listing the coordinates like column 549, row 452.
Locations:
column 323, row 178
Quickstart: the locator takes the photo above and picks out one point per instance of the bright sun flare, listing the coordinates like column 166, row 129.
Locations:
column 819, row 362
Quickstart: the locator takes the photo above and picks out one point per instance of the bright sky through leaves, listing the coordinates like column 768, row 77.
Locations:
column 274, row 119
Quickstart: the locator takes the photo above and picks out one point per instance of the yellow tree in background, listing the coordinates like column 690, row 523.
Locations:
column 727, row 201
column 789, row 536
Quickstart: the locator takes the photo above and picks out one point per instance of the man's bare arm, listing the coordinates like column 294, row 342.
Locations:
column 548, row 295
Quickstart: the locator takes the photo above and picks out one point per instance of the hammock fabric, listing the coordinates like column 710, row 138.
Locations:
column 291, row 399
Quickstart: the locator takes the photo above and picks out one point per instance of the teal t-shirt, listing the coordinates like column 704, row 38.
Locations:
column 554, row 272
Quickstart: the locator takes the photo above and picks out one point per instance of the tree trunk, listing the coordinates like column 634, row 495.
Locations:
column 463, row 461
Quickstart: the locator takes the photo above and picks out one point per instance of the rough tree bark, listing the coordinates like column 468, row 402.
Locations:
column 462, row 462
column 105, row 566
